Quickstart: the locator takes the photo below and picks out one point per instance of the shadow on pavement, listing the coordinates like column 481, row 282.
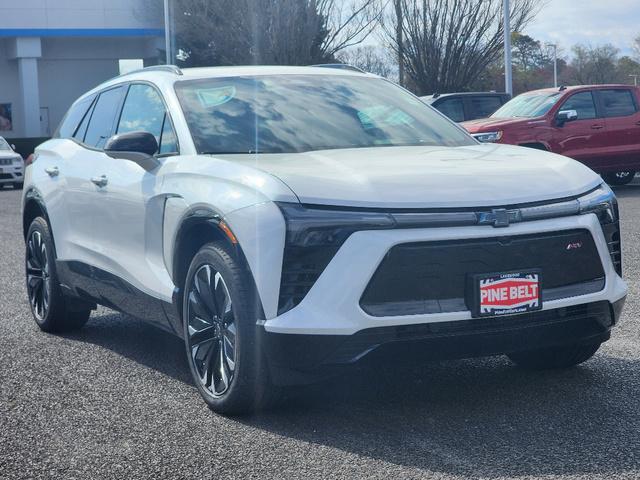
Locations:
column 480, row 418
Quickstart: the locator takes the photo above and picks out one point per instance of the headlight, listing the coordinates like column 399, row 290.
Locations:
column 602, row 202
column 488, row 137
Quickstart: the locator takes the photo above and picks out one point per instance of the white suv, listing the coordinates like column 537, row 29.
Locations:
column 285, row 221
column 11, row 166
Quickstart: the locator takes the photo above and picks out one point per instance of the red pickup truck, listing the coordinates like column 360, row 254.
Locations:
column 598, row 125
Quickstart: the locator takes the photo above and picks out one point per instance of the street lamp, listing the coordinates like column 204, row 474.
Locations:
column 555, row 63
column 508, row 73
column 167, row 33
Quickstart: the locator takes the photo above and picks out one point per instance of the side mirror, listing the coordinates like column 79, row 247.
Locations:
column 565, row 116
column 139, row 147
column 13, row 147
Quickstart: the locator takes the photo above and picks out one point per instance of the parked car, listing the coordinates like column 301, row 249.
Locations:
column 11, row 165
column 460, row 107
column 598, row 125
column 284, row 236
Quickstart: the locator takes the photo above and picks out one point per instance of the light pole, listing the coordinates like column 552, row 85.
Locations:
column 555, row 63
column 635, row 78
column 167, row 33
column 508, row 73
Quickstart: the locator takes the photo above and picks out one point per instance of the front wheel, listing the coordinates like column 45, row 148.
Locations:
column 220, row 311
column 619, row 178
column 555, row 357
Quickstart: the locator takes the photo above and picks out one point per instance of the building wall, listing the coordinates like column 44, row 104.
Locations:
column 81, row 42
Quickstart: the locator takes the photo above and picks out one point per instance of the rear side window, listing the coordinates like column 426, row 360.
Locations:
column 582, row 103
column 73, row 118
column 452, row 108
column 103, row 117
column 484, row 107
column 617, row 103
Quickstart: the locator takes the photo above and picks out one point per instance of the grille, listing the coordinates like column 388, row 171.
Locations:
column 6, row 161
column 432, row 277
column 5, row 176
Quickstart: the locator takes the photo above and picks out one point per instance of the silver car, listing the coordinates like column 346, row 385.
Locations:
column 11, row 165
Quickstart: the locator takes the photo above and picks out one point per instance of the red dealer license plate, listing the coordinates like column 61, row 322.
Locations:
column 507, row 293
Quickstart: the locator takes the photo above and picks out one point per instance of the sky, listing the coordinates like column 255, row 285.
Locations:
column 592, row 22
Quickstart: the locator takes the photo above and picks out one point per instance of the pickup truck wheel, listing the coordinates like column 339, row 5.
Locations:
column 220, row 310
column 619, row 178
column 555, row 357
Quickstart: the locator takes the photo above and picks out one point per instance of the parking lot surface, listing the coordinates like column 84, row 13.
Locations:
column 115, row 400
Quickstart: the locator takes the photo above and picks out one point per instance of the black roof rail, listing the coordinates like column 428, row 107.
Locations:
column 340, row 66
column 158, row 68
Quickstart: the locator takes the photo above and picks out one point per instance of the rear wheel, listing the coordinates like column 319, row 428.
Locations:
column 555, row 357
column 619, row 178
column 52, row 311
column 221, row 336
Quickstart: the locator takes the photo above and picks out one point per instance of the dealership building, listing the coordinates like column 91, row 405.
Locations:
column 52, row 51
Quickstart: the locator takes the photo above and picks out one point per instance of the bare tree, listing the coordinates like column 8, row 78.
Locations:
column 370, row 59
column 292, row 32
column 447, row 44
column 594, row 65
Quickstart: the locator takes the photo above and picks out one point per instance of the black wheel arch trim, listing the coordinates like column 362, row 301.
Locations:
column 202, row 214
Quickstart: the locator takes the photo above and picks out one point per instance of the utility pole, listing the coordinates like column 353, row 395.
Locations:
column 399, row 41
column 508, row 72
column 167, row 33
column 555, row 63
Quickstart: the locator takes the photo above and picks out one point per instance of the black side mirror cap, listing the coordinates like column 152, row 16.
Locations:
column 139, row 147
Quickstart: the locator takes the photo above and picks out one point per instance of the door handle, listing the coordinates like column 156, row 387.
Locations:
column 100, row 181
column 52, row 171
column 597, row 127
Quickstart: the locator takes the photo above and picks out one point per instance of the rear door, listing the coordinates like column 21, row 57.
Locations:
column 583, row 139
column 620, row 109
column 452, row 107
column 481, row 106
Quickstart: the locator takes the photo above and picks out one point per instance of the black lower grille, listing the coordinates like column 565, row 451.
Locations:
column 5, row 176
column 432, row 277
column 484, row 336
column 612, row 235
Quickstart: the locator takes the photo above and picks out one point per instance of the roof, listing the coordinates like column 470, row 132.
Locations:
column 570, row 88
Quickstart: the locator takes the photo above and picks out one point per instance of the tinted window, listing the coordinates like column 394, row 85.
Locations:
column 143, row 111
column 296, row 113
column 103, row 117
column 617, row 103
column 582, row 103
column 452, row 108
column 482, row 107
column 168, row 141
column 73, row 117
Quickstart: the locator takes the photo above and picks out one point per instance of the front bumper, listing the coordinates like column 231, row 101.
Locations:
column 329, row 326
column 11, row 174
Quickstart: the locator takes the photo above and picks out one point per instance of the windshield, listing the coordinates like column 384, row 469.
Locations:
column 4, row 146
column 298, row 113
column 528, row 105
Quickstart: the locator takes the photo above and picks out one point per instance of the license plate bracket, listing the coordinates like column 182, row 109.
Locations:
column 506, row 293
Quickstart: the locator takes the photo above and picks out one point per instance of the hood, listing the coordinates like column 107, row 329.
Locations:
column 426, row 177
column 10, row 154
column 490, row 124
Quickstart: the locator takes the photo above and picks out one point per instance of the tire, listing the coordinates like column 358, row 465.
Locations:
column 221, row 336
column 555, row 357
column 52, row 311
column 18, row 185
column 619, row 178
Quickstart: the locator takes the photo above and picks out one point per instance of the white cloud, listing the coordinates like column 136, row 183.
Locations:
column 593, row 22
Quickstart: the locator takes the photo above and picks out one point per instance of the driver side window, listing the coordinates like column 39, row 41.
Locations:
column 144, row 111
column 583, row 104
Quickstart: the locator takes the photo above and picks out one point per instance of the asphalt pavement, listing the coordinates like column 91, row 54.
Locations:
column 115, row 400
